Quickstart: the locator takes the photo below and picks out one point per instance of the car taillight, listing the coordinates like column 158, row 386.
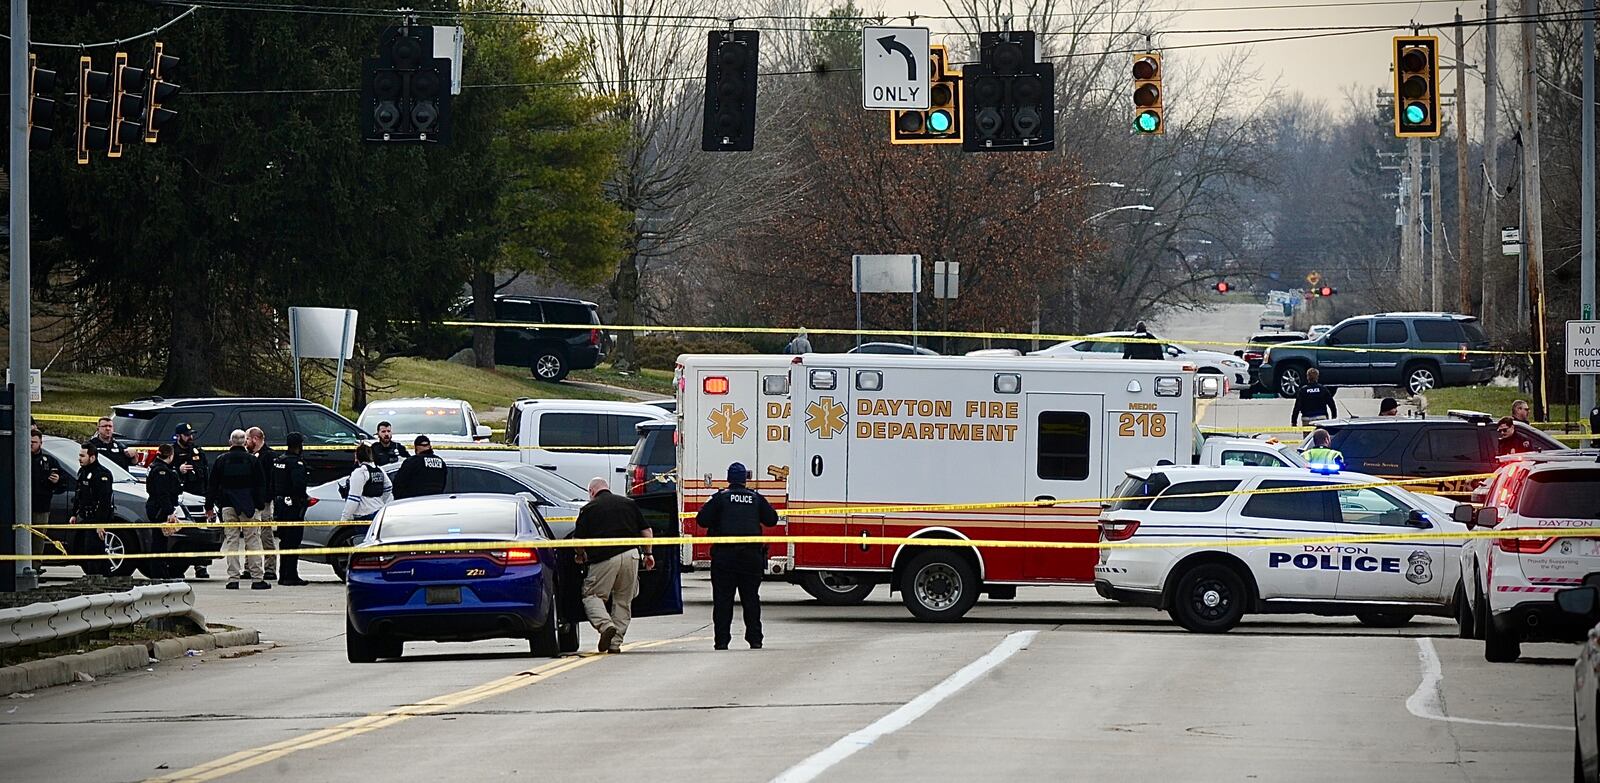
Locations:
column 513, row 556
column 1118, row 530
column 637, row 481
column 594, row 336
column 1252, row 356
column 311, row 502
column 1463, row 349
column 374, row 561
column 1524, row 546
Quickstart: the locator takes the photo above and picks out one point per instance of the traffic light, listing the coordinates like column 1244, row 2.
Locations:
column 1223, row 287
column 1416, row 86
column 1009, row 103
column 94, row 109
column 162, row 67
column 1148, row 114
column 127, row 104
column 941, row 122
column 1324, row 291
column 405, row 90
column 40, row 110
column 729, row 123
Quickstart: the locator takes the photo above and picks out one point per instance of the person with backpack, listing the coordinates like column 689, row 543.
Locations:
column 367, row 490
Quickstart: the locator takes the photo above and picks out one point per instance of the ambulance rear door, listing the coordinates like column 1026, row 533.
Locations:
column 820, row 441
column 1064, row 440
column 725, row 430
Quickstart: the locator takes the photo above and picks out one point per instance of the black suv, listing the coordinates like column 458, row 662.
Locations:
column 548, row 353
column 650, row 467
column 151, row 421
column 1419, row 351
column 1459, row 443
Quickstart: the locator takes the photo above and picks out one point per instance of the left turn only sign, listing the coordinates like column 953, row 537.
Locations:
column 894, row 68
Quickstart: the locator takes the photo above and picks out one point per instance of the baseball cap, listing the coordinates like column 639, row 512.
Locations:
column 737, row 473
column 422, row 440
column 183, row 429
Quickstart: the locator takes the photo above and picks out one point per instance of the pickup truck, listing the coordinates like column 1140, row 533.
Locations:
column 578, row 439
column 1222, row 450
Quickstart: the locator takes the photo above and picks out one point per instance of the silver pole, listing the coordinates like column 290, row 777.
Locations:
column 338, row 373
column 1586, row 397
column 1489, row 264
column 1435, row 235
column 21, row 285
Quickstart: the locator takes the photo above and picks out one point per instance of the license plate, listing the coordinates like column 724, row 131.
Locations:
column 444, row 595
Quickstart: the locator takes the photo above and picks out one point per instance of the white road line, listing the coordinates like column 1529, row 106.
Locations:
column 907, row 713
column 1426, row 702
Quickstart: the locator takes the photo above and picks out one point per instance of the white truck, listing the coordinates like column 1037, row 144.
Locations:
column 577, row 439
column 1222, row 451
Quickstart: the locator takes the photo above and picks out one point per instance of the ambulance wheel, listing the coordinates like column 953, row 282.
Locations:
column 1384, row 619
column 835, row 588
column 1500, row 646
column 1211, row 598
column 1464, row 614
column 939, row 585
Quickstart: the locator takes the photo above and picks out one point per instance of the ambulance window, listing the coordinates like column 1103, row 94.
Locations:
column 1292, row 506
column 1173, row 499
column 1140, row 491
column 1063, row 445
column 1368, row 506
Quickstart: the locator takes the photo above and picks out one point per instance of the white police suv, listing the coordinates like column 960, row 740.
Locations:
column 1210, row 584
column 1506, row 593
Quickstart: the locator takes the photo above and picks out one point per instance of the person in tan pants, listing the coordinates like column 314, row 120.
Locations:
column 613, row 576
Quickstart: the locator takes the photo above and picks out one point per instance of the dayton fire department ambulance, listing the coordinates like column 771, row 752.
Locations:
column 876, row 430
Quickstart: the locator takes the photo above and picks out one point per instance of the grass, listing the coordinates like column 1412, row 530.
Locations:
column 646, row 380
column 1494, row 400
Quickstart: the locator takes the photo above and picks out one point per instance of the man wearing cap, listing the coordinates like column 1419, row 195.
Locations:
column 1389, row 407
column 613, row 576
column 193, row 471
column 422, row 473
column 736, row 511
column 289, row 506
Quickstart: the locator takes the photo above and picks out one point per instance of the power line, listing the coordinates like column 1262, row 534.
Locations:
column 119, row 41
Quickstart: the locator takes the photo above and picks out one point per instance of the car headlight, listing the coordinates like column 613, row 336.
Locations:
column 1234, row 363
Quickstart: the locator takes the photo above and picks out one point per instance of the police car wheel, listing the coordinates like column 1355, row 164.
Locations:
column 358, row 647
column 835, row 588
column 341, row 563
column 1464, row 615
column 1211, row 598
column 1384, row 619
column 940, row 585
column 117, row 544
column 545, row 642
column 1500, row 646
column 1480, row 612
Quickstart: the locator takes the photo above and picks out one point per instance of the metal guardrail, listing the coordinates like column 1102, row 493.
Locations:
column 46, row 622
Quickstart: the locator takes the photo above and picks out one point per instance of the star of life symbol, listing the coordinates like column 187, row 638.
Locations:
column 728, row 423
column 825, row 417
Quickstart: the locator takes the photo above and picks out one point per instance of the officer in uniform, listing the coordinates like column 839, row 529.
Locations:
column 422, row 473
column 1322, row 458
column 256, row 443
column 736, row 511
column 46, row 482
column 106, row 445
column 386, row 450
column 1314, row 401
column 161, row 504
column 193, row 472
column 93, row 505
column 1147, row 348
column 289, row 505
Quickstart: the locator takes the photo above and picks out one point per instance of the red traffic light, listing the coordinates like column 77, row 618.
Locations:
column 1326, row 291
column 1223, row 287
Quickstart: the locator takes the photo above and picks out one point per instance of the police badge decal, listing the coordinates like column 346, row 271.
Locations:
column 1419, row 568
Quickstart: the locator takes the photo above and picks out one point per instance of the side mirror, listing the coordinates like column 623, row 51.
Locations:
column 1579, row 601
column 483, row 433
column 1419, row 519
column 1465, row 514
column 1488, row 516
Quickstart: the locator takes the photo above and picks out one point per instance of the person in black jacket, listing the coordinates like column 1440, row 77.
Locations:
column 289, row 505
column 386, row 450
column 255, row 442
column 163, row 486
column 46, row 482
column 736, row 511
column 613, row 570
column 189, row 459
column 106, row 445
column 1314, row 401
column 238, row 487
column 422, row 474
column 92, row 505
column 1147, row 348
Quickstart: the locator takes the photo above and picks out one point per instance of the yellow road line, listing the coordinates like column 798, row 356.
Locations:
column 255, row 757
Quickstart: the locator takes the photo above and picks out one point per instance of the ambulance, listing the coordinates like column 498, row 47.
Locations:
column 732, row 408
column 877, row 432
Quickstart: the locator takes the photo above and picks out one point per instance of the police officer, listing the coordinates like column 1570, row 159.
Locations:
column 1314, row 401
column 1511, row 441
column 46, row 482
column 106, row 445
column 193, row 472
column 92, row 505
column 736, row 511
column 1322, row 458
column 422, row 473
column 289, row 505
column 1146, row 348
column 163, row 486
column 386, row 450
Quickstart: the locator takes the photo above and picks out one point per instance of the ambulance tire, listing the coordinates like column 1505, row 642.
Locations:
column 1384, row 619
column 1500, row 646
column 939, row 585
column 832, row 588
column 1211, row 598
column 1464, row 613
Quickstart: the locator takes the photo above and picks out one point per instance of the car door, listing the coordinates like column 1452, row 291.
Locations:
column 1386, row 571
column 1389, row 335
column 1448, row 451
column 514, row 346
column 1345, row 367
column 1063, row 444
column 1284, row 568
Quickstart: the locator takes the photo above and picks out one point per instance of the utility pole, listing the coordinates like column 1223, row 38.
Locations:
column 1413, row 276
column 1435, row 236
column 21, row 311
column 1490, row 313
column 1463, row 254
column 1586, row 400
column 1533, row 232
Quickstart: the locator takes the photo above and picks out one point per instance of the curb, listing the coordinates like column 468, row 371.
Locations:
column 63, row 669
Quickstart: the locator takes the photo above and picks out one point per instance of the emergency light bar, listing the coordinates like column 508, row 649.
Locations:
column 1325, row 468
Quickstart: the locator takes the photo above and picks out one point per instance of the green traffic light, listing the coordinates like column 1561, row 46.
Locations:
column 939, row 121
column 1416, row 114
column 1147, row 122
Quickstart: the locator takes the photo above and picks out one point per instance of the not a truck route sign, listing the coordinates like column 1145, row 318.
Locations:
column 894, row 68
column 1583, row 347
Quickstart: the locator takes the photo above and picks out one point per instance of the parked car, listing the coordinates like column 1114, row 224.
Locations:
column 1318, row 330
column 548, row 352
column 670, row 405
column 1582, row 606
column 1253, row 355
column 894, row 349
column 1415, row 351
column 130, row 497
column 1107, row 346
column 150, row 422
column 557, row 497
column 444, row 421
column 578, row 439
column 1459, row 443
column 653, row 466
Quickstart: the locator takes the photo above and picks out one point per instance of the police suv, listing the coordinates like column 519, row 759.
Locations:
column 1209, row 586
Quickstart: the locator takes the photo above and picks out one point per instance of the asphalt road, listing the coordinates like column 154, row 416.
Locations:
column 1056, row 684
